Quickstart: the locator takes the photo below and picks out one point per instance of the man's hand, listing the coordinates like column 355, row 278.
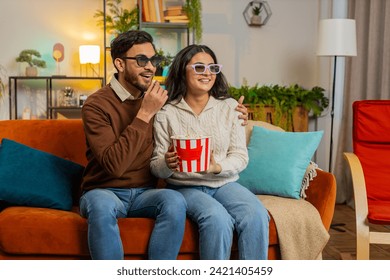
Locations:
column 242, row 109
column 154, row 99
column 171, row 159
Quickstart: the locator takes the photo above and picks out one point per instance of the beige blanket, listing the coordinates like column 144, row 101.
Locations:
column 302, row 236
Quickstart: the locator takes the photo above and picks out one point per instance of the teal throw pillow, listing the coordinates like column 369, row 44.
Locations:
column 31, row 177
column 278, row 161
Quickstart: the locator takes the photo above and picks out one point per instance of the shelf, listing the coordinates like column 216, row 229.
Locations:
column 32, row 92
column 166, row 25
column 170, row 36
column 54, row 78
column 64, row 108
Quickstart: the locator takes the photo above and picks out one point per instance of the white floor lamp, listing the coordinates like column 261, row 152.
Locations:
column 89, row 55
column 336, row 37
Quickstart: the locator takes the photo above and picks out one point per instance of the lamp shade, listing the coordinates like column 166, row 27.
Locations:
column 337, row 37
column 89, row 54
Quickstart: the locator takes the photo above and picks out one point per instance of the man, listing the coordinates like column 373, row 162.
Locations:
column 117, row 181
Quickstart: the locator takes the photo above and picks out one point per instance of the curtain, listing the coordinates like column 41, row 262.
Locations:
column 367, row 76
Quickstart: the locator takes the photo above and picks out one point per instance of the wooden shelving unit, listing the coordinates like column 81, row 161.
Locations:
column 51, row 85
column 177, row 30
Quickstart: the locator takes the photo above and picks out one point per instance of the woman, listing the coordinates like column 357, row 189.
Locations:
column 199, row 104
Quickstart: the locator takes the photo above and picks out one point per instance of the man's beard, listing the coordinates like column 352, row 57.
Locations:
column 133, row 80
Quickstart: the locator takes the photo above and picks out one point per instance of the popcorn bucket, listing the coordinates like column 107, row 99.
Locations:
column 194, row 153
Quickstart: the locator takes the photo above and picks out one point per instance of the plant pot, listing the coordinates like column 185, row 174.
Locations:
column 31, row 71
column 298, row 121
column 256, row 20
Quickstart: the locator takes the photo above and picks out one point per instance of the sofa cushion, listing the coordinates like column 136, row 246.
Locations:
column 42, row 231
column 45, row 232
column 278, row 161
column 31, row 177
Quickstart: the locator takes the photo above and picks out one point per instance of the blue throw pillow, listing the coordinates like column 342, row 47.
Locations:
column 278, row 161
column 31, row 177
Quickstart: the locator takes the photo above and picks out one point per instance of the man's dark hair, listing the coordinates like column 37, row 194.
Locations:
column 124, row 41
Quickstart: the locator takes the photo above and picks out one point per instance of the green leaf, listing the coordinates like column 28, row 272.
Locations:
column 283, row 98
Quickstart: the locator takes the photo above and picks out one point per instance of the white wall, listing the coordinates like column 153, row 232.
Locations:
column 40, row 24
column 281, row 52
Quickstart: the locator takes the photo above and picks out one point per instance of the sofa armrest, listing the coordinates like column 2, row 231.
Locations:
column 322, row 194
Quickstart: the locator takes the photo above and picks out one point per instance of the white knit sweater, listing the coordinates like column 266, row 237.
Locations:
column 218, row 119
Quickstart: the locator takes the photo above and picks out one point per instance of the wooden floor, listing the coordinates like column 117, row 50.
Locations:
column 342, row 242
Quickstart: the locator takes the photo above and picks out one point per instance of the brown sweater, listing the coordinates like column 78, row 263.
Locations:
column 119, row 145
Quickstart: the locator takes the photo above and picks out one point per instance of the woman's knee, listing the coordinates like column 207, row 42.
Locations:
column 262, row 213
column 257, row 216
column 173, row 203
column 216, row 218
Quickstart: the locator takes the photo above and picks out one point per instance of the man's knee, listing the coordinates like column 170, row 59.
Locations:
column 96, row 202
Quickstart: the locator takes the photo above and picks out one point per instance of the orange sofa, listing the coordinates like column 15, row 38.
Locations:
column 43, row 233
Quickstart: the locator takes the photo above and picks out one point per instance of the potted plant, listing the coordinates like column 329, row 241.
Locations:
column 256, row 18
column 193, row 9
column 284, row 106
column 31, row 57
column 166, row 61
column 118, row 20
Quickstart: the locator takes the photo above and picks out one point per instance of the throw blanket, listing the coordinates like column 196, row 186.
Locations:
column 302, row 236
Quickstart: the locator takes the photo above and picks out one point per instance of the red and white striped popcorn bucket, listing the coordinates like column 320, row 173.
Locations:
column 194, row 152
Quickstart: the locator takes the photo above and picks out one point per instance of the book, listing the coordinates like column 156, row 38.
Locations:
column 173, row 12
column 145, row 10
column 152, row 11
column 169, row 18
column 161, row 10
column 174, row 8
column 157, row 10
column 179, row 20
column 169, row 13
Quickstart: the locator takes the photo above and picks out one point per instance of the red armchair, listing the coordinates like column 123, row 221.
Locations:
column 370, row 170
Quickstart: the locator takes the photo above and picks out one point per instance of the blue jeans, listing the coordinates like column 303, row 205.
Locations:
column 218, row 211
column 102, row 208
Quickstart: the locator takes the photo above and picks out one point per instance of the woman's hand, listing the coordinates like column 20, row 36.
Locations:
column 171, row 159
column 243, row 110
column 214, row 167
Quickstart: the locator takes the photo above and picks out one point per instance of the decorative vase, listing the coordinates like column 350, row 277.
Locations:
column 68, row 98
column 256, row 20
column 31, row 71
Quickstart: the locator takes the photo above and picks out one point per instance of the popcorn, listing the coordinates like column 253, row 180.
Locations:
column 194, row 152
